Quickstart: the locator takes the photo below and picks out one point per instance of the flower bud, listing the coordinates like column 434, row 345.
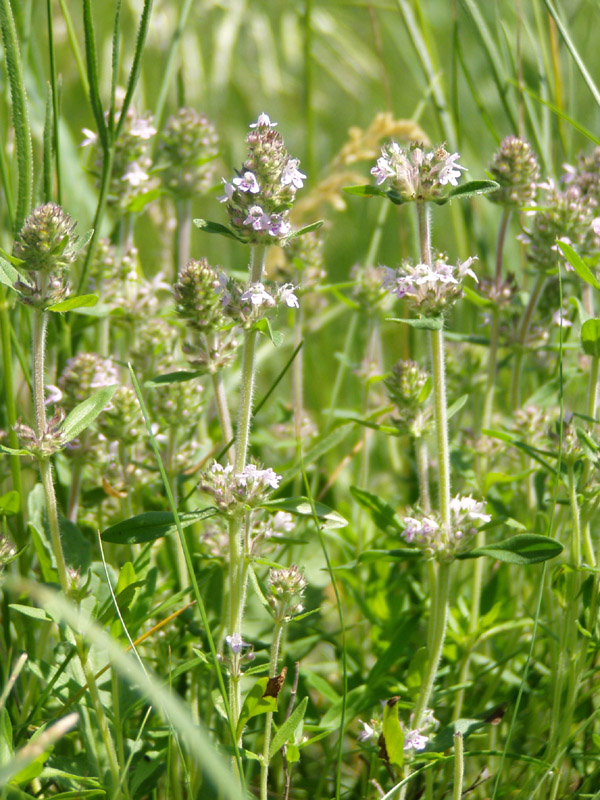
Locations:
column 197, row 298
column 121, row 420
column 46, row 243
column 187, row 150
column 515, row 168
column 82, row 375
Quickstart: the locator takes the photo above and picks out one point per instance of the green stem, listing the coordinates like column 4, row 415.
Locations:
column 184, row 231
column 439, row 616
column 257, row 261
column 441, row 425
column 423, row 473
column 223, row 413
column 515, row 391
column 11, row 413
column 107, row 165
column 459, row 766
column 264, row 768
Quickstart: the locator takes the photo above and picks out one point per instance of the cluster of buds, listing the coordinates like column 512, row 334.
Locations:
column 45, row 248
column 585, row 175
column 234, row 491
column 285, row 588
column 130, row 177
column 8, row 552
column 368, row 290
column 50, row 442
column 407, row 391
column 199, row 303
column 121, row 420
column 177, row 404
column 415, row 739
column 246, row 303
column 416, row 174
column 82, row 375
column 566, row 215
column 430, row 289
column 515, row 169
column 304, row 261
column 430, row 535
column 259, row 197
column 186, row 153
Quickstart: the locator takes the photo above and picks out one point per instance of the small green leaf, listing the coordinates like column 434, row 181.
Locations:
column 306, row 229
column 288, row 729
column 292, row 753
column 10, row 503
column 524, row 548
column 78, row 301
column 16, row 262
column 81, row 241
column 425, row 323
column 140, row 201
column 172, row 377
column 31, row 611
column 255, row 703
column 578, row 264
column 382, row 514
column 85, row 413
column 469, row 189
column 475, row 298
column 456, row 406
column 11, row 451
column 393, row 735
column 152, row 525
column 365, row 191
column 264, row 326
column 216, row 227
column 581, row 312
column 590, row 337
column 444, row 739
column 302, row 507
column 8, row 274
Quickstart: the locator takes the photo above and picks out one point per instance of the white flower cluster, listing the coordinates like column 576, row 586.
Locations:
column 430, row 289
column 238, row 489
column 415, row 173
column 250, row 302
column 428, row 533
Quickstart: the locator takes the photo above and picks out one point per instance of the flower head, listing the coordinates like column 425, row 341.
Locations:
column 430, row 289
column 259, row 197
column 429, row 534
column 417, row 174
column 515, row 168
column 234, row 490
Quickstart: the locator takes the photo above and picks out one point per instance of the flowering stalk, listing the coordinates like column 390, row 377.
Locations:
column 264, row 767
column 184, row 230
column 439, row 601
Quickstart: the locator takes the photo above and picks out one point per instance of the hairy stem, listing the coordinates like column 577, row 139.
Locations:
column 264, row 768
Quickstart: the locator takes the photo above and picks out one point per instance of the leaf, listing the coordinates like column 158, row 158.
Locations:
column 445, row 738
column 426, row 323
column 590, row 337
column 524, row 548
column 216, row 227
column 76, row 548
column 469, row 189
column 31, row 611
column 456, row 406
column 11, row 451
column 306, row 229
column 382, row 514
column 393, row 735
column 578, row 264
column 476, row 299
column 8, row 274
column 140, row 201
column 255, row 703
column 288, row 729
column 81, row 241
column 172, row 377
column 85, row 413
column 302, row 507
column 78, row 301
column 152, row 525
column 581, row 312
column 365, row 191
column 10, row 503
column 264, row 326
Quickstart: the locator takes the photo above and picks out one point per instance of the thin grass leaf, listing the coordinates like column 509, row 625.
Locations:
column 136, row 65
column 20, row 114
column 92, row 74
column 47, row 153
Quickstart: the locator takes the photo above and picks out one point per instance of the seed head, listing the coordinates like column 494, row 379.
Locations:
column 46, row 243
column 188, row 147
column 197, row 297
column 515, row 167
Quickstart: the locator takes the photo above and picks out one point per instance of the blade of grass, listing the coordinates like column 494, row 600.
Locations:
column 54, row 100
column 136, row 66
column 92, row 73
column 72, row 35
column 20, row 115
column 169, row 63
column 116, row 59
